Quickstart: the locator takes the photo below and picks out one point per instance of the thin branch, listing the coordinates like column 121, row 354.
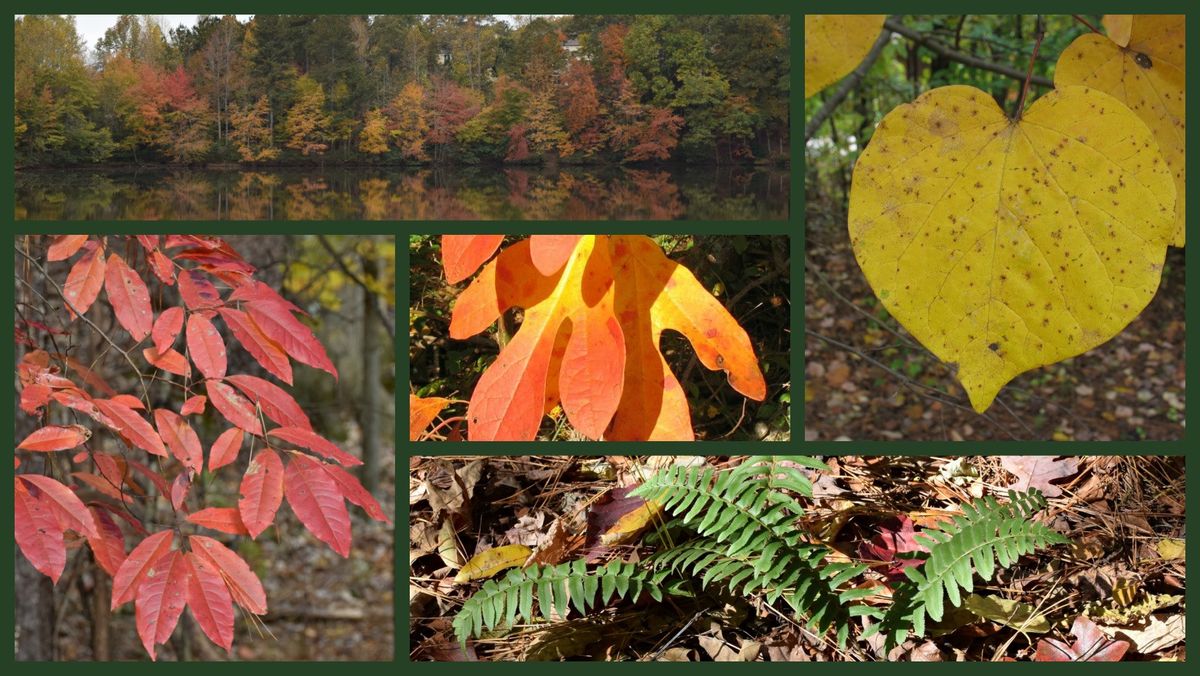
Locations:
column 1040, row 32
column 847, row 85
column 965, row 59
column 1085, row 22
column 380, row 309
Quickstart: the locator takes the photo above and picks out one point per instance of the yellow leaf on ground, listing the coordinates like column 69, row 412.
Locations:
column 834, row 45
column 487, row 563
column 1147, row 76
column 1170, row 548
column 1005, row 246
column 1019, row 616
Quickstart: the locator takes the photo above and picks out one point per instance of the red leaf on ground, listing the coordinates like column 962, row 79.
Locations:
column 161, row 599
column 243, row 584
column 133, row 570
column 317, row 501
column 225, row 449
column 55, row 438
column 897, row 537
column 166, row 328
column 1091, row 645
column 85, row 280
column 421, row 412
column 129, row 297
column 236, row 408
column 223, row 519
column 210, row 601
column 275, row 402
column 316, row 443
column 206, row 346
column 265, row 351
column 64, row 246
column 463, row 254
column 262, row 492
column 1037, row 471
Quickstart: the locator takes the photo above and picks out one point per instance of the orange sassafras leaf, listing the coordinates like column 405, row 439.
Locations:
column 129, row 297
column 261, row 492
column 550, row 252
column 421, row 412
column 318, row 502
column 463, row 254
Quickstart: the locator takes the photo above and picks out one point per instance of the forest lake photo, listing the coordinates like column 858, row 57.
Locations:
column 402, row 117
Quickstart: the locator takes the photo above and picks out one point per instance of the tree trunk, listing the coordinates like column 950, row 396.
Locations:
column 369, row 414
column 34, row 613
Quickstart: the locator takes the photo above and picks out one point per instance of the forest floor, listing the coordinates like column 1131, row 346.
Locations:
column 1131, row 388
column 1122, row 573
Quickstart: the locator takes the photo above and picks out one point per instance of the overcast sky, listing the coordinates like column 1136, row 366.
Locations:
column 91, row 27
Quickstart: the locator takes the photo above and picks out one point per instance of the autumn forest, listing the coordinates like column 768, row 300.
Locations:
column 404, row 89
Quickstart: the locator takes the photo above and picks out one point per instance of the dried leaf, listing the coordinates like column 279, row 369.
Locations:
column 489, row 562
column 1090, row 645
column 1037, row 471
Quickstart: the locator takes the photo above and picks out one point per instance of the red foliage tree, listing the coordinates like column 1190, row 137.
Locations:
column 449, row 107
column 169, row 293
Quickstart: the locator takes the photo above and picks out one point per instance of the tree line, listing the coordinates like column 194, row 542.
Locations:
column 404, row 89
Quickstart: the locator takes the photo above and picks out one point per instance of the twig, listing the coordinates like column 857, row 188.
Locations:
column 965, row 59
column 848, row 84
column 1085, row 22
column 1039, row 33
column 380, row 309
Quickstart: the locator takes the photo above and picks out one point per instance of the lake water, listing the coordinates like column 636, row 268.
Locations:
column 444, row 193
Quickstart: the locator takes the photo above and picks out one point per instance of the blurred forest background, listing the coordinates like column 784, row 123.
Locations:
column 321, row 606
column 404, row 88
column 749, row 275
column 866, row 377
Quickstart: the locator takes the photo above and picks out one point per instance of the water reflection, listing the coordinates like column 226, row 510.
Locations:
column 459, row 193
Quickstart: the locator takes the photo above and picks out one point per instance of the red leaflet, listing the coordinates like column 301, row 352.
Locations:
column 62, row 503
column 91, row 377
column 209, row 599
column 161, row 599
column 198, row 293
column 243, row 584
column 162, row 267
column 155, row 478
column 131, row 426
column 255, row 290
column 171, row 361
column 167, row 328
column 206, row 346
column 65, row 246
column 129, row 297
column 128, row 401
column 317, row 501
column 84, row 281
column 355, row 493
column 179, row 490
column 550, row 252
column 148, row 242
column 463, row 254
column 133, row 570
column 104, row 486
column 194, row 405
column 262, row 492
column 38, row 532
column 236, row 408
column 224, row 519
column 55, row 438
column 180, row 438
column 314, row 442
column 294, row 337
column 276, row 403
column 109, row 546
column 225, row 449
column 265, row 351
column 34, row 398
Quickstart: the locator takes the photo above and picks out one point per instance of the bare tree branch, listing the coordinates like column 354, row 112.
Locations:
column 380, row 310
column 848, row 84
column 966, row 59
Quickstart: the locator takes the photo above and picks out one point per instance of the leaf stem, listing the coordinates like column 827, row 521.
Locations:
column 1085, row 22
column 1040, row 32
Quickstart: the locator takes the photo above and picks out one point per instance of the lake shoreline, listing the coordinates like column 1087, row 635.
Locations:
column 237, row 166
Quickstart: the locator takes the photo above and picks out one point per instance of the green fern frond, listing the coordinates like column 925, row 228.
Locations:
column 746, row 518
column 509, row 600
column 987, row 533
